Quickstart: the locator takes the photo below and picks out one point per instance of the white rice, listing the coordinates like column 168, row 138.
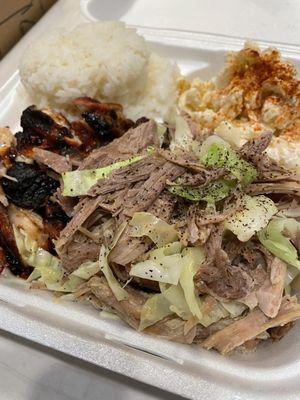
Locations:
column 104, row 60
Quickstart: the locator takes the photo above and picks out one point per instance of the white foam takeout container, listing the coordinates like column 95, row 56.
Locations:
column 273, row 372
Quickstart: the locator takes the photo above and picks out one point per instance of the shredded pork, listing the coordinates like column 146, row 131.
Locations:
column 52, row 160
column 247, row 328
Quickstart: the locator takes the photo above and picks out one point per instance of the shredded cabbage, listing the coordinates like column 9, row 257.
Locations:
column 170, row 301
column 155, row 309
column 178, row 270
column 86, row 270
column 234, row 308
column 163, row 265
column 150, row 150
column 236, row 135
column 210, row 141
column 176, row 299
column 183, row 137
column 292, row 273
column 78, row 183
column 255, row 215
column 46, row 266
column 193, row 257
column 275, row 238
column 211, row 193
column 69, row 286
column 159, row 231
column 167, row 250
column 27, row 247
column 216, row 153
column 119, row 292
column 161, row 131
column 164, row 269
column 182, row 298
column 212, row 311
column 295, row 284
column 83, row 273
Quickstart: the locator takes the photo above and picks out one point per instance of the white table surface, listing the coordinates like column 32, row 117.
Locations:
column 32, row 372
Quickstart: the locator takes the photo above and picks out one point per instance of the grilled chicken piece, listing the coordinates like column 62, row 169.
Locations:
column 3, row 199
column 48, row 130
column 3, row 260
column 30, row 188
column 29, row 222
column 7, row 139
column 106, row 119
column 9, row 252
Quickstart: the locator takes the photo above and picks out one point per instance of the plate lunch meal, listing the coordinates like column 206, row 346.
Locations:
column 150, row 214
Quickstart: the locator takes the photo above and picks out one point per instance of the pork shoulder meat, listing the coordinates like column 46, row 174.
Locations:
column 255, row 323
column 133, row 142
column 218, row 277
column 56, row 162
column 268, row 170
column 125, row 177
column 142, row 198
column 128, row 249
column 291, row 188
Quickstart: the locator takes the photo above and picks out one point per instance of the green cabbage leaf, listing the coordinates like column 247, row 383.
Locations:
column 276, row 238
column 183, row 138
column 211, row 193
column 119, row 292
column 254, row 215
column 177, row 303
column 166, row 269
column 47, row 267
column 192, row 259
column 79, row 182
column 216, row 153
column 159, row 231
column 155, row 309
